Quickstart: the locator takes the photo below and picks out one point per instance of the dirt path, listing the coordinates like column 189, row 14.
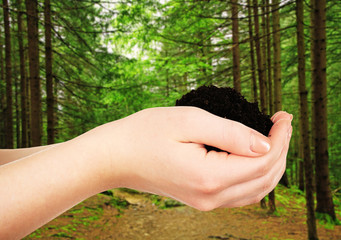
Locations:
column 97, row 219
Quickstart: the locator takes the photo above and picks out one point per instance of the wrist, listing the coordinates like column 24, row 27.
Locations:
column 99, row 146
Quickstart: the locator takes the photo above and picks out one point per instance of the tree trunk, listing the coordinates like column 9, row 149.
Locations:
column 28, row 101
column 269, row 64
column 312, row 125
column 301, row 181
column 235, row 46
column 33, row 54
column 49, row 77
column 268, row 85
column 261, row 72
column 17, row 111
column 260, row 65
column 23, row 80
column 9, row 94
column 252, row 56
column 304, row 124
column 264, row 53
column 277, row 56
column 2, row 96
column 323, row 192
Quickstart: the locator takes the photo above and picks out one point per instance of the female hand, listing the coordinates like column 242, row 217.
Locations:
column 162, row 151
column 158, row 150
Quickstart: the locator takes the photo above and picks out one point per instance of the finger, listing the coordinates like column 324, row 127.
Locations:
column 255, row 190
column 229, row 170
column 241, row 194
column 245, row 192
column 260, row 196
column 231, row 136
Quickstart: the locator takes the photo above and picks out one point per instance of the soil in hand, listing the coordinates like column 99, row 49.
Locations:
column 227, row 103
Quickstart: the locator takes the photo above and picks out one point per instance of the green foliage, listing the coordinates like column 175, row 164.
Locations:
column 61, row 235
column 337, row 204
column 117, row 203
column 128, row 190
column 171, row 203
column 156, row 199
column 164, row 203
column 111, row 59
column 326, row 220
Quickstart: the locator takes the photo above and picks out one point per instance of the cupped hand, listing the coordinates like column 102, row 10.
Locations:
column 162, row 151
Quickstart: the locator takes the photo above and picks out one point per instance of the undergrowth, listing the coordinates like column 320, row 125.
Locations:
column 296, row 198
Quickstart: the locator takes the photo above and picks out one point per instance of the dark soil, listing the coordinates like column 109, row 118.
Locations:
column 227, row 103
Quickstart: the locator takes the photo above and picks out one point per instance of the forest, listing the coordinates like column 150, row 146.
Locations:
column 69, row 66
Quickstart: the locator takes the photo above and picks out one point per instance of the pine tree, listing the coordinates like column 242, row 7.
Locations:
column 319, row 80
column 35, row 88
column 49, row 76
column 235, row 46
column 304, row 124
column 9, row 94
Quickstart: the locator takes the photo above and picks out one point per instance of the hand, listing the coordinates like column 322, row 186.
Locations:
column 162, row 151
column 157, row 150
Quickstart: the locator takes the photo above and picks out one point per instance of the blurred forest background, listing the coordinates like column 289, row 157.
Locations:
column 68, row 66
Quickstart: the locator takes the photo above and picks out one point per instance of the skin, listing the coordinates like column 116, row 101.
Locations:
column 158, row 150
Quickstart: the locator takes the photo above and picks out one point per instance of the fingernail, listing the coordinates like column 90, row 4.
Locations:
column 286, row 116
column 274, row 117
column 259, row 143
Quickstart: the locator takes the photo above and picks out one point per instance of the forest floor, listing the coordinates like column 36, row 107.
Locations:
column 131, row 215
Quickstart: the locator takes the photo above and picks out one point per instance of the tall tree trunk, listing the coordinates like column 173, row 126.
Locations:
column 23, row 80
column 33, row 54
column 9, row 94
column 235, row 46
column 28, row 101
column 17, row 112
column 267, row 69
column 55, row 89
column 304, row 124
column 260, row 60
column 260, row 65
column 264, row 52
column 277, row 56
column 49, row 76
column 268, row 54
column 301, row 181
column 312, row 125
column 252, row 56
column 323, row 192
column 2, row 96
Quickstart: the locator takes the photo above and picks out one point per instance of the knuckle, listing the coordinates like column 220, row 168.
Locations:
column 264, row 167
column 187, row 116
column 258, row 198
column 204, row 205
column 208, row 185
column 267, row 183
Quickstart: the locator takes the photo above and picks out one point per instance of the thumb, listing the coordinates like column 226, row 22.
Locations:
column 205, row 128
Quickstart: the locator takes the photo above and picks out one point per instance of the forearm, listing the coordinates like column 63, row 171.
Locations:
column 9, row 155
column 40, row 187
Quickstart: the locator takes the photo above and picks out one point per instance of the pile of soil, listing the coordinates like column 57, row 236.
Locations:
column 227, row 103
